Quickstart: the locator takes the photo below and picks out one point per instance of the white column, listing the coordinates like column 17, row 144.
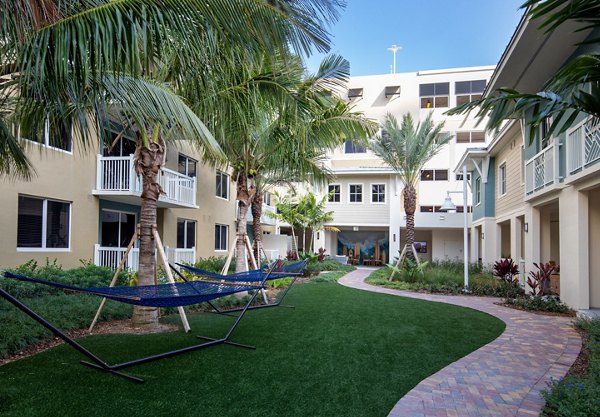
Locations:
column 574, row 249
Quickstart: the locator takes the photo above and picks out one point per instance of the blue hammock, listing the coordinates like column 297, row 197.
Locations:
column 163, row 295
column 256, row 275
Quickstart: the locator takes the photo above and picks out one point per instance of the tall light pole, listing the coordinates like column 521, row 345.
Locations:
column 394, row 48
column 449, row 205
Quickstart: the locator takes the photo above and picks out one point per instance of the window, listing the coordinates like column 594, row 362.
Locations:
column 334, row 192
column 459, row 177
column 434, row 95
column 221, row 236
column 392, row 90
column 222, row 181
column 351, row 147
column 434, row 175
column 378, row 193
column 543, row 130
column 117, row 228
column 355, row 195
column 478, row 190
column 460, row 209
column 355, row 93
column 470, row 137
column 43, row 224
column 431, row 209
column 187, row 165
column 467, row 91
column 267, row 198
column 502, row 179
column 55, row 134
column 186, row 234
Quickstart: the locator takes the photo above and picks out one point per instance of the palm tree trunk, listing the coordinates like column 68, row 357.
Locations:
column 246, row 190
column 148, row 162
column 410, row 201
column 256, row 226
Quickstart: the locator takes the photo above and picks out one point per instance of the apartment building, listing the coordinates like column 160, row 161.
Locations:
column 83, row 204
column 537, row 198
column 365, row 195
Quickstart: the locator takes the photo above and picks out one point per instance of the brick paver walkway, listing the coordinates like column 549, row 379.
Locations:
column 503, row 378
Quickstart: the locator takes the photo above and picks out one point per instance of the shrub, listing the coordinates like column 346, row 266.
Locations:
column 550, row 303
column 214, row 264
column 505, row 269
column 539, row 280
column 314, row 268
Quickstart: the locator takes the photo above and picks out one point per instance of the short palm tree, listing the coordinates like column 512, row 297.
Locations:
column 406, row 148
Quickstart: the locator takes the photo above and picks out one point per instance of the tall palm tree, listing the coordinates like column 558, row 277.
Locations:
column 406, row 148
column 87, row 59
column 573, row 90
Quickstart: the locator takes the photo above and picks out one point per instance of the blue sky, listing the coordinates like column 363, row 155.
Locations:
column 433, row 34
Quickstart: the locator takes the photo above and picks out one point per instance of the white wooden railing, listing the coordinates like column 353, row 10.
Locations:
column 264, row 218
column 583, row 145
column 111, row 256
column 541, row 170
column 116, row 174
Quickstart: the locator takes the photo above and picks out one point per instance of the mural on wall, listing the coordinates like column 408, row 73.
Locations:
column 365, row 242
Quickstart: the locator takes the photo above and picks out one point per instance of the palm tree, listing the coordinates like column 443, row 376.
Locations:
column 406, row 148
column 322, row 124
column 83, row 60
column 573, row 90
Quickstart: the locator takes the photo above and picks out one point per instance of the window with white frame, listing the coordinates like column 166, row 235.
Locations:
column 351, row 147
column 267, row 198
column 117, row 228
column 467, row 91
column 502, row 179
column 43, row 223
column 186, row 234
column 57, row 134
column 434, row 95
column 334, row 193
column 187, row 165
column 459, row 176
column 478, row 190
column 434, row 175
column 355, row 193
column 475, row 136
column 222, row 180
column 221, row 237
column 378, row 193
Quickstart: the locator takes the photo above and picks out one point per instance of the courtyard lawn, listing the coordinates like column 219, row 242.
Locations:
column 340, row 352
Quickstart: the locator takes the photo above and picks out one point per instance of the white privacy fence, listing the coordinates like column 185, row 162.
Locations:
column 116, row 174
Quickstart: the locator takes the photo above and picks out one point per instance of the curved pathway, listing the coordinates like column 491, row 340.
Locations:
column 503, row 378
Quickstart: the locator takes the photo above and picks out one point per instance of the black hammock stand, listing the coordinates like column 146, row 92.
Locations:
column 163, row 295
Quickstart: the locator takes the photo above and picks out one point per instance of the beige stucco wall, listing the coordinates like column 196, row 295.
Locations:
column 68, row 177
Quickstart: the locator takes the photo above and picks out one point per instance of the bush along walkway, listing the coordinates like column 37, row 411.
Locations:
column 505, row 377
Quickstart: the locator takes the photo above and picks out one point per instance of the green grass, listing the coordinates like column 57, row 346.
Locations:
column 340, row 352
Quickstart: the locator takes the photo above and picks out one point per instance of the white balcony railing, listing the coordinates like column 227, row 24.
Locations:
column 111, row 256
column 116, row 175
column 541, row 170
column 264, row 218
column 583, row 145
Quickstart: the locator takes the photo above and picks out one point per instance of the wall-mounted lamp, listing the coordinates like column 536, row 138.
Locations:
column 526, row 227
column 318, row 235
column 394, row 237
column 482, row 236
column 355, row 228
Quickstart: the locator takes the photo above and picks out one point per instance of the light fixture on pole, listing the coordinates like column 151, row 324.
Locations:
column 393, row 49
column 449, row 205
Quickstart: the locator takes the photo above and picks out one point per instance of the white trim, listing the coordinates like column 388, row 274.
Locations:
column 46, row 143
column 44, row 230
column 362, row 193
column 185, row 222
column 226, row 240
column 217, row 172
column 500, row 170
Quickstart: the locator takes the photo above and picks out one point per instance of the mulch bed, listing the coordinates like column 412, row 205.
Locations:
column 570, row 313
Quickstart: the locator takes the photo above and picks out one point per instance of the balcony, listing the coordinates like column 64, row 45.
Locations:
column 264, row 218
column 583, row 145
column 116, row 180
column 111, row 256
column 541, row 171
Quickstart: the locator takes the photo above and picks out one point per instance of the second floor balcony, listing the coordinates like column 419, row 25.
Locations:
column 116, row 180
column 583, row 145
column 542, row 170
column 264, row 218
